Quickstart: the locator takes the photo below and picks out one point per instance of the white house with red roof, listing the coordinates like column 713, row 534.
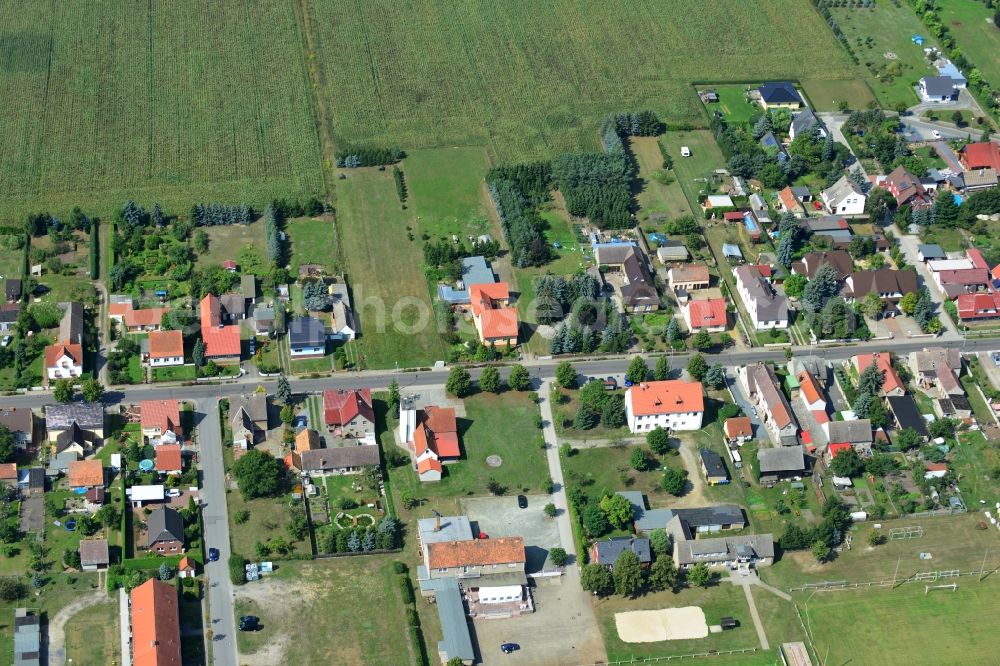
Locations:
column 810, row 392
column 222, row 342
column 349, row 414
column 160, row 420
column 978, row 307
column 165, row 348
column 709, row 315
column 431, row 435
column 63, row 361
column 672, row 405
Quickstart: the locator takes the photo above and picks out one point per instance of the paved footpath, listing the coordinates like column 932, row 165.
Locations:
column 758, row 625
column 124, row 626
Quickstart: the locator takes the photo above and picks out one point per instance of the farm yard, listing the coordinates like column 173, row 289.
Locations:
column 103, row 105
column 531, row 88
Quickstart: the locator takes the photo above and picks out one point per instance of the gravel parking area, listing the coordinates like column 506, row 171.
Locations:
column 500, row 517
column 33, row 514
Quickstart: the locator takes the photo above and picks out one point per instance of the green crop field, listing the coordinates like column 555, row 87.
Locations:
column 905, row 626
column 529, row 79
column 971, row 25
column 173, row 102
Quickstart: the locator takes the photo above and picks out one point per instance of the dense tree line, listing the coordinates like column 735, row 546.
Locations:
column 354, row 156
column 515, row 191
column 444, row 257
column 216, row 214
column 642, row 123
column 596, row 186
column 555, row 295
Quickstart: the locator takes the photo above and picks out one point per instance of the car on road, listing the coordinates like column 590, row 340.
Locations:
column 522, row 502
column 936, row 134
column 509, row 648
column 249, row 623
column 213, row 554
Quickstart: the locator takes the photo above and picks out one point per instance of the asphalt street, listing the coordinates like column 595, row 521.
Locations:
column 540, row 369
column 216, row 517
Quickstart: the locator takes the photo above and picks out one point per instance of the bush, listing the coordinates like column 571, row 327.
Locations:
column 399, row 567
column 237, row 569
column 406, row 589
column 558, row 556
column 241, row 516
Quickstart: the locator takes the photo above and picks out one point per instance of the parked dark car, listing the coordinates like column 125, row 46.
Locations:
column 508, row 648
column 522, row 502
column 213, row 554
column 249, row 623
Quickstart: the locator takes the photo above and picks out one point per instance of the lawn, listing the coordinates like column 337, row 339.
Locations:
column 974, row 461
column 177, row 373
column 305, row 366
column 313, row 241
column 950, row 240
column 445, row 187
column 890, row 27
column 654, row 196
column 953, row 541
column 970, row 24
column 733, row 103
column 565, row 411
column 11, row 261
column 502, row 425
column 905, row 626
column 92, row 635
column 531, row 79
column 717, row 601
column 384, row 268
column 693, row 171
column 361, row 605
column 605, row 470
column 268, row 518
column 104, row 106
column 827, row 95
column 226, row 242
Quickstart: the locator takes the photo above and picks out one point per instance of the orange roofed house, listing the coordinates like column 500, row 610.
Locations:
column 447, row 559
column 982, row 165
column 709, row 315
column 673, row 405
column 86, row 473
column 431, row 434
column 160, row 420
column 63, row 361
column 156, row 626
column 169, row 459
column 165, row 348
column 892, row 384
column 222, row 342
column 495, row 320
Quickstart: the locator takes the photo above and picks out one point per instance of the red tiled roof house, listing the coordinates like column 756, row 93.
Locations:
column 672, row 405
column 495, row 321
column 349, row 413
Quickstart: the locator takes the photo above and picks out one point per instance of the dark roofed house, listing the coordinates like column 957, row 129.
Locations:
column 307, row 338
column 339, row 460
column 907, row 415
column 606, row 551
column 930, row 251
column 12, row 288
column 71, row 325
column 27, row 637
column 779, row 94
column 234, row 307
column 839, row 259
column 21, row 423
column 889, row 285
column 713, row 468
column 94, row 554
column 8, row 316
column 753, row 550
column 781, row 463
column 805, row 121
column 165, row 531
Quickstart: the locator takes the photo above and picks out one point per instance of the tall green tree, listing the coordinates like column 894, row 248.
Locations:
column 627, row 574
column 459, row 382
column 658, row 440
column 702, row 340
column 697, row 367
column 596, row 578
column 489, row 380
column 63, row 391
column 618, row 510
column 284, row 391
column 699, row 575
column 662, row 574
column 259, row 474
column 638, row 371
column 198, row 353
column 92, row 390
column 8, row 444
column 662, row 370
column 519, row 378
column 566, row 375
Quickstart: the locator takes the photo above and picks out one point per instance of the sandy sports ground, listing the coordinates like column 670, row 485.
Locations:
column 666, row 624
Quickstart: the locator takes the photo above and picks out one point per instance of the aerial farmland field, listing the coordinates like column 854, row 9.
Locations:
column 423, row 74
column 173, row 102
